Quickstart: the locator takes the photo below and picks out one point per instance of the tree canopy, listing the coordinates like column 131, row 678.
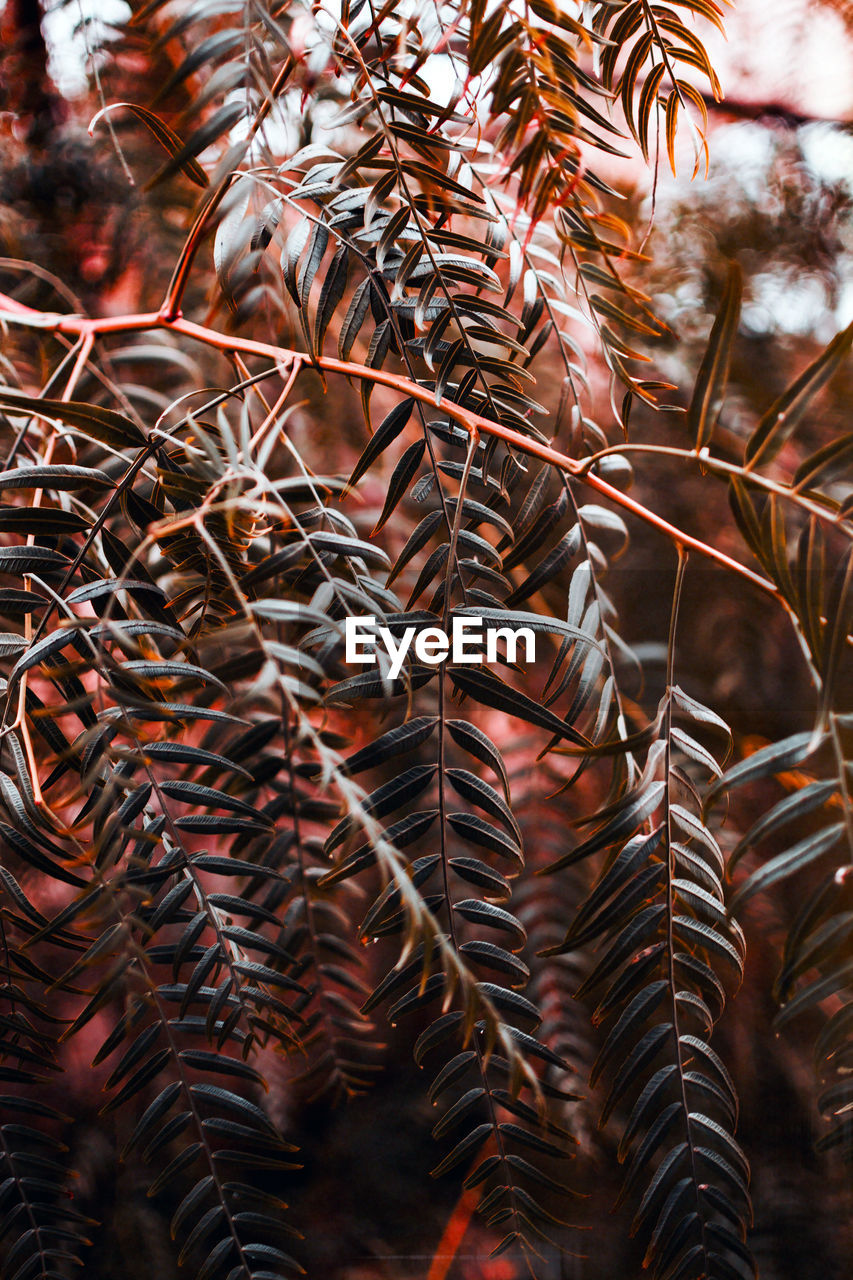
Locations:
column 427, row 313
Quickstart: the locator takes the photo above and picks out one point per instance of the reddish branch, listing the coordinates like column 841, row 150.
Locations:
column 81, row 326
column 454, row 1234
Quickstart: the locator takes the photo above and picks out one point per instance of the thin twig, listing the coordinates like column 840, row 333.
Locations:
column 470, row 421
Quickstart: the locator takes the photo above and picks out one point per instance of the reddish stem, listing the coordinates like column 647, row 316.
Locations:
column 472, row 422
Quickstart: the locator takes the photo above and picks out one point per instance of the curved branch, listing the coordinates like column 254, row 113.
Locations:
column 13, row 311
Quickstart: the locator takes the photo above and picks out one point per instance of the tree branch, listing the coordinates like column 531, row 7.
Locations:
column 82, row 326
column 771, row 112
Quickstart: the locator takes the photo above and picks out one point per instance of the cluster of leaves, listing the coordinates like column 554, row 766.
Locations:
column 209, row 821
